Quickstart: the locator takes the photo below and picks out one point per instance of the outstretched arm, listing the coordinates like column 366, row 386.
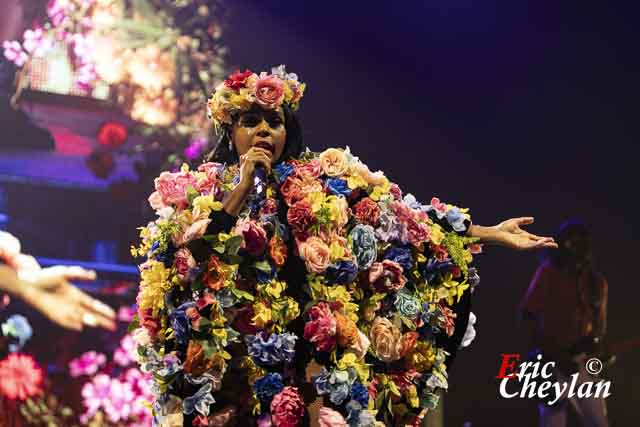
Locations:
column 509, row 234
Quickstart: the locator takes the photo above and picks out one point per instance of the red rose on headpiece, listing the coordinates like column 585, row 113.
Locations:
column 237, row 80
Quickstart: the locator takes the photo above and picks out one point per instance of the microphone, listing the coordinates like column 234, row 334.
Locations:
column 260, row 179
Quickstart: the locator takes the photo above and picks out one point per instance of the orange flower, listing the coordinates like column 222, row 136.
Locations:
column 214, row 277
column 408, row 342
column 347, row 330
column 278, row 250
column 195, row 363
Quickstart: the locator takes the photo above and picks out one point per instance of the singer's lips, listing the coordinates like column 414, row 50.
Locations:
column 266, row 146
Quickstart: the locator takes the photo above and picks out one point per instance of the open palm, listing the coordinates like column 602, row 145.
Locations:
column 510, row 234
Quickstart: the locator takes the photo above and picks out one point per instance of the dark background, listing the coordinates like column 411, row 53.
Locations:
column 508, row 108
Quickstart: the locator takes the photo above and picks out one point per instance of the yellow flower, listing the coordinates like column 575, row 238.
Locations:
column 437, row 235
column 262, row 315
column 350, row 360
column 451, row 289
column 356, row 181
column 254, row 372
column 205, row 204
column 274, row 288
column 219, row 333
column 422, row 357
column 411, row 395
column 336, row 251
column 316, row 199
column 338, row 210
column 285, row 310
column 154, row 283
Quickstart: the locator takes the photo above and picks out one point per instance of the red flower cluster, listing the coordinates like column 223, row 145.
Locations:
column 237, row 80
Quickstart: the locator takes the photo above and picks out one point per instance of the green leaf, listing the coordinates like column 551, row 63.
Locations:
column 263, row 266
column 135, row 324
column 192, row 193
column 197, row 285
column 232, row 245
column 238, row 293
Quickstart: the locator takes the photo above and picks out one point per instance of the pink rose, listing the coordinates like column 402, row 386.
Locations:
column 254, row 238
column 155, row 201
column 418, row 233
column 193, row 232
column 206, row 184
column 330, row 418
column 291, row 190
column 387, row 276
column 395, row 191
column 361, row 345
column 184, row 262
column 312, row 169
column 300, row 216
column 269, row 91
column 441, row 208
column 315, row 254
column 386, row 340
column 173, row 187
column 287, row 408
column 321, row 328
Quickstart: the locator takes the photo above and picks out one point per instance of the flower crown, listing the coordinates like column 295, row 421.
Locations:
column 242, row 89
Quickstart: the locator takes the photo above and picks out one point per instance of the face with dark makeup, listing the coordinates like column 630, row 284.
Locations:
column 262, row 128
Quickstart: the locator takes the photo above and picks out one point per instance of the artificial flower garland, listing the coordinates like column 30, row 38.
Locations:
column 382, row 271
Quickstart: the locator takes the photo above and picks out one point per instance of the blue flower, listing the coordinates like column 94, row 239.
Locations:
column 360, row 394
column 265, row 277
column 400, row 254
column 364, row 245
column 456, row 219
column 267, row 387
column 338, row 187
column 226, row 298
column 200, row 401
column 433, row 267
column 406, row 304
column 271, row 349
column 180, row 323
column 18, row 327
column 337, row 384
column 282, row 171
column 167, row 256
column 342, row 273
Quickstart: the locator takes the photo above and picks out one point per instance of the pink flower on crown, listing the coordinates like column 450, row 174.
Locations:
column 269, row 91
